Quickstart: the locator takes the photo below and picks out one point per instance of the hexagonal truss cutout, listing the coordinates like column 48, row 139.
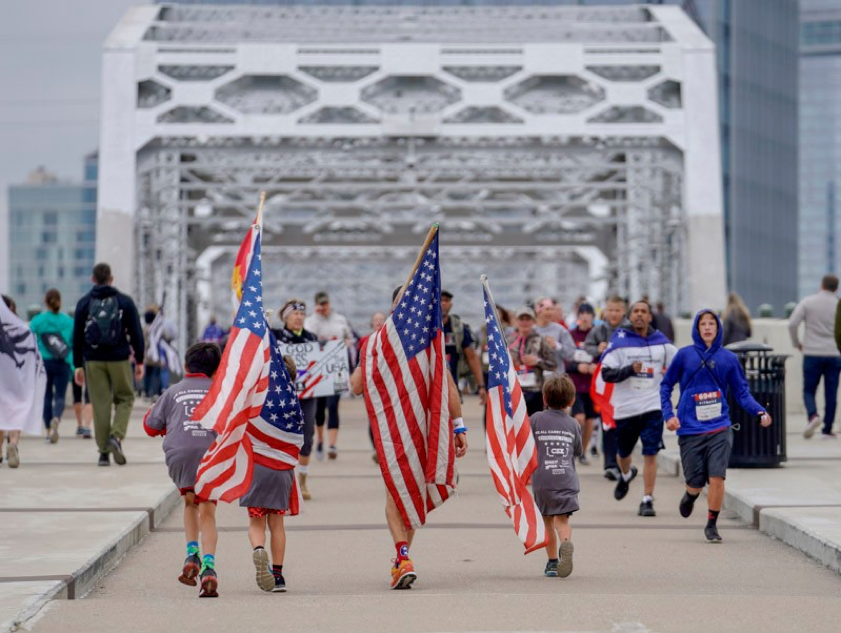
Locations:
column 486, row 74
column 266, row 94
column 337, row 116
column 193, row 114
column 411, row 94
column 554, row 94
column 194, row 72
column 489, row 114
column 667, row 94
column 625, row 72
column 339, row 74
column 150, row 94
column 626, row 114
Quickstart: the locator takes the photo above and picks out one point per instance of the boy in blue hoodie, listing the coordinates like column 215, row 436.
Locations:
column 704, row 371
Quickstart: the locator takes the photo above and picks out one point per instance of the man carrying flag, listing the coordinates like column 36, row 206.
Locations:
column 411, row 399
column 511, row 447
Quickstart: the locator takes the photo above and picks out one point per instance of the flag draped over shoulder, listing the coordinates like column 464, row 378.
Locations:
column 511, row 448
column 159, row 348
column 243, row 259
column 406, row 394
column 23, row 379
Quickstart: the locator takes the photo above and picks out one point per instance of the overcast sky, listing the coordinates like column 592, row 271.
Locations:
column 50, row 60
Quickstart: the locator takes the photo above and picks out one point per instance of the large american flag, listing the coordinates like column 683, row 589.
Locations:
column 234, row 405
column 406, row 392
column 511, row 447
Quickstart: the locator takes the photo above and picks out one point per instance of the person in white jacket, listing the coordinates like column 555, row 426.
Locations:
column 821, row 358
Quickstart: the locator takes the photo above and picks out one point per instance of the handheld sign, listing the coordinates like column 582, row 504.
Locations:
column 323, row 368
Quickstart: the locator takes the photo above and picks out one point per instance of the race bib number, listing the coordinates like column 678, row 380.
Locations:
column 526, row 376
column 486, row 359
column 644, row 379
column 581, row 356
column 707, row 405
column 449, row 339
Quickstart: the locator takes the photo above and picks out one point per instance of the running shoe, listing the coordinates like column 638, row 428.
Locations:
column 319, row 451
column 829, row 436
column 209, row 583
column 647, row 509
column 403, row 575
column 332, row 452
column 80, row 430
column 584, row 461
column 265, row 579
column 622, row 485
column 54, row 430
column 191, row 569
column 551, row 569
column 594, row 451
column 611, row 474
column 687, row 504
column 117, row 450
column 86, row 433
column 12, row 455
column 279, row 583
column 565, row 559
column 711, row 532
column 812, row 425
column 104, row 460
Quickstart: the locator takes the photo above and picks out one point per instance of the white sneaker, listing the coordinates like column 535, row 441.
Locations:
column 811, row 426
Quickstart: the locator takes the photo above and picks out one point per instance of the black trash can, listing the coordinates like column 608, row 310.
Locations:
column 753, row 445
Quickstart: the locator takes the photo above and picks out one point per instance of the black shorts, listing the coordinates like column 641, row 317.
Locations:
column 704, row 456
column 646, row 427
column 584, row 404
column 77, row 393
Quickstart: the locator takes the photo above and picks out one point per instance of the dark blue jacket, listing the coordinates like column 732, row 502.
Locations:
column 704, row 374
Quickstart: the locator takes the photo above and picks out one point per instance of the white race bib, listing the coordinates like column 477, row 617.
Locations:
column 644, row 379
column 486, row 359
column 707, row 405
column 581, row 356
column 526, row 377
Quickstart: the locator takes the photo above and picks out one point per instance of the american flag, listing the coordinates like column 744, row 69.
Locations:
column 511, row 448
column 237, row 395
column 405, row 385
column 159, row 348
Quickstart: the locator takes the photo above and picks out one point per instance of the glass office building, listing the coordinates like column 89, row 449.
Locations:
column 820, row 140
column 52, row 237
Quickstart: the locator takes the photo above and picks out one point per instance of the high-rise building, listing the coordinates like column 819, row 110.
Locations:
column 757, row 55
column 52, row 235
column 820, row 140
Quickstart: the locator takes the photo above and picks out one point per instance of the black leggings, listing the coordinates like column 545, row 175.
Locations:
column 327, row 407
column 308, row 409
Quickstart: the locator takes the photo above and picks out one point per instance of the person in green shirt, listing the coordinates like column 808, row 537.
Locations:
column 54, row 333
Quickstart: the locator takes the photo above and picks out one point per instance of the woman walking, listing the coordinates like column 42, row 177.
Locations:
column 54, row 332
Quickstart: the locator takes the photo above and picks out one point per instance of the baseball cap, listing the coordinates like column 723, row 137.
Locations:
column 524, row 311
column 447, row 293
column 586, row 308
column 321, row 297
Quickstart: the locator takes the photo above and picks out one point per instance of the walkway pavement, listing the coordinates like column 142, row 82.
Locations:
column 62, row 516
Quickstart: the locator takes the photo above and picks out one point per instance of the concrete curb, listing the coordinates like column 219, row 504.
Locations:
column 84, row 579
column 799, row 536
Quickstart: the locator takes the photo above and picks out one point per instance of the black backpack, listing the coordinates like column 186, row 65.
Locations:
column 104, row 322
column 55, row 344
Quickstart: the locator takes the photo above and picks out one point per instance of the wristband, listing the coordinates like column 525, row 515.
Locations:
column 458, row 426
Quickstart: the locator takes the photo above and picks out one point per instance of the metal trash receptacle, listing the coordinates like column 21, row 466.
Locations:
column 753, row 445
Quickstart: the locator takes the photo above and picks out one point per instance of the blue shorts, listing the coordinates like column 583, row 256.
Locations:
column 646, row 427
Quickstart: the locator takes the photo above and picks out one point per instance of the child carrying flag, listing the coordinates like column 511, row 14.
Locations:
column 274, row 492
column 555, row 482
column 185, row 443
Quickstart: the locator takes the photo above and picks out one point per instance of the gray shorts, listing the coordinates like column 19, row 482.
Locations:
column 704, row 456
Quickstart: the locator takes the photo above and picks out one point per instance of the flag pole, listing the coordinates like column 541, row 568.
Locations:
column 260, row 209
column 486, row 286
column 433, row 230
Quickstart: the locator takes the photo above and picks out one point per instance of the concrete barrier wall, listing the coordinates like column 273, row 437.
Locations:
column 773, row 332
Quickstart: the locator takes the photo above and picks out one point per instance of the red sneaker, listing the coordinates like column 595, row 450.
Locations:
column 191, row 569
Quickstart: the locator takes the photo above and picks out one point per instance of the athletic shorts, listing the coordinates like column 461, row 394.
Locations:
column 704, row 456
column 196, row 500
column 584, row 404
column 646, row 427
column 259, row 513
column 77, row 393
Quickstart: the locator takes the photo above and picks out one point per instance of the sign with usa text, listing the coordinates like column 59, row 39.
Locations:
column 323, row 368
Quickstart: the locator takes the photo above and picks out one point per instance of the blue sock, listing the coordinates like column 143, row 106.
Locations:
column 208, row 562
column 192, row 548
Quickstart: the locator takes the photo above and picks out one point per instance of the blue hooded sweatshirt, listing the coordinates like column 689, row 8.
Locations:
column 704, row 375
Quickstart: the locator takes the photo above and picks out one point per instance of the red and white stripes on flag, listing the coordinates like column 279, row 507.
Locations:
column 601, row 393
column 407, row 397
column 511, row 447
column 236, row 397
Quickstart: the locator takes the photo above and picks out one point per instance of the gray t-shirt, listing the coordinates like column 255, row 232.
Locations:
column 565, row 346
column 555, row 482
column 185, row 441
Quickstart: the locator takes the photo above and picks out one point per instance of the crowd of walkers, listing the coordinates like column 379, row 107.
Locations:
column 104, row 350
